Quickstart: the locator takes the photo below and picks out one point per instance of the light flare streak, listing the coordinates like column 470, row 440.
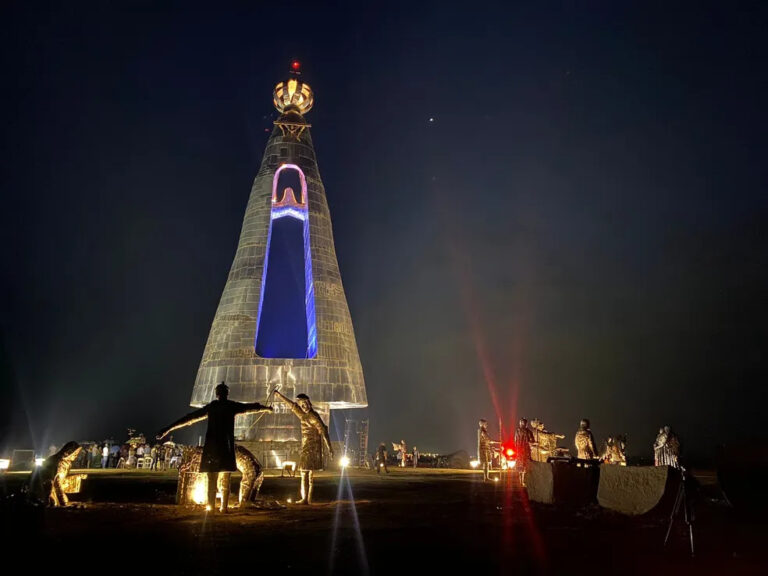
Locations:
column 345, row 489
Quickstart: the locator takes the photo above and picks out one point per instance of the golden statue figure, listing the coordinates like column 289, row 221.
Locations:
column 53, row 480
column 313, row 434
column 585, row 442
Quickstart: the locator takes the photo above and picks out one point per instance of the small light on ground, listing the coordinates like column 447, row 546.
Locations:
column 474, row 463
column 344, row 461
column 4, row 463
column 39, row 461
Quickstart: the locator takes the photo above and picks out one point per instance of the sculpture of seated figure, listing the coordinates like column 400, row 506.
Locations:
column 615, row 450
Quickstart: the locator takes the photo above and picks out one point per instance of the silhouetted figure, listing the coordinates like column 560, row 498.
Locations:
column 381, row 458
column 219, row 449
column 313, row 434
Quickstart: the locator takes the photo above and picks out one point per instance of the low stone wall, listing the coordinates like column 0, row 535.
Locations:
column 632, row 489
column 629, row 490
column 540, row 481
column 561, row 483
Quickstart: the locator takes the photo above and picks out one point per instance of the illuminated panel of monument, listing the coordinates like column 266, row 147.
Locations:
column 260, row 315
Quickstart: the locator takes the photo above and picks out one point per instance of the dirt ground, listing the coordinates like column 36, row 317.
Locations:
column 364, row 523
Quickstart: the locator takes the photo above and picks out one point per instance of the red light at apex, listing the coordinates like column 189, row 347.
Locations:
column 510, row 452
column 295, row 65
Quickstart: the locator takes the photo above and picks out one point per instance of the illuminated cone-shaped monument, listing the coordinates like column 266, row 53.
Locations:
column 283, row 317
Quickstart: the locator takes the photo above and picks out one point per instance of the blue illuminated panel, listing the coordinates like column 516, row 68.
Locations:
column 283, row 330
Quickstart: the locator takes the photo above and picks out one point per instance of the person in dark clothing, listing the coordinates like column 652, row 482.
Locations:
column 381, row 458
column 219, row 448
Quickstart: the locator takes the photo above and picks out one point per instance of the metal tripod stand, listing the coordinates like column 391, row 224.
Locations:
column 681, row 501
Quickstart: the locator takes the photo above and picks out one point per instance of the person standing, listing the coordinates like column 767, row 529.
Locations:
column 523, row 439
column 95, row 456
column 153, row 456
column 104, row 456
column 403, row 448
column 218, row 459
column 415, row 457
column 313, row 434
column 381, row 458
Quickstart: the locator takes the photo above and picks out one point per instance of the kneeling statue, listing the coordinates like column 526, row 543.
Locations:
column 246, row 463
column 53, row 481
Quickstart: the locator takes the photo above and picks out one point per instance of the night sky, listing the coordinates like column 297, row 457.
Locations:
column 554, row 212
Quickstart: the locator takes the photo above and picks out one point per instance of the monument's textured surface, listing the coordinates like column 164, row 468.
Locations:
column 243, row 348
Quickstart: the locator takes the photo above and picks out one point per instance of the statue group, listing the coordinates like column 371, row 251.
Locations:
column 533, row 442
column 220, row 457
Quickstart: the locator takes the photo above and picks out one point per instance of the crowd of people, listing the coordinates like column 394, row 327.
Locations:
column 132, row 454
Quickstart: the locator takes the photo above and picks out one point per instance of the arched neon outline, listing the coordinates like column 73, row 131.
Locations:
column 300, row 211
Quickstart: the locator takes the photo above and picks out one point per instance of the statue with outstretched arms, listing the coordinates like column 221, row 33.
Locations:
column 314, row 433
column 219, row 448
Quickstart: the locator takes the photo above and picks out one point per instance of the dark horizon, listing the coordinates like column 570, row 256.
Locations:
column 544, row 213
